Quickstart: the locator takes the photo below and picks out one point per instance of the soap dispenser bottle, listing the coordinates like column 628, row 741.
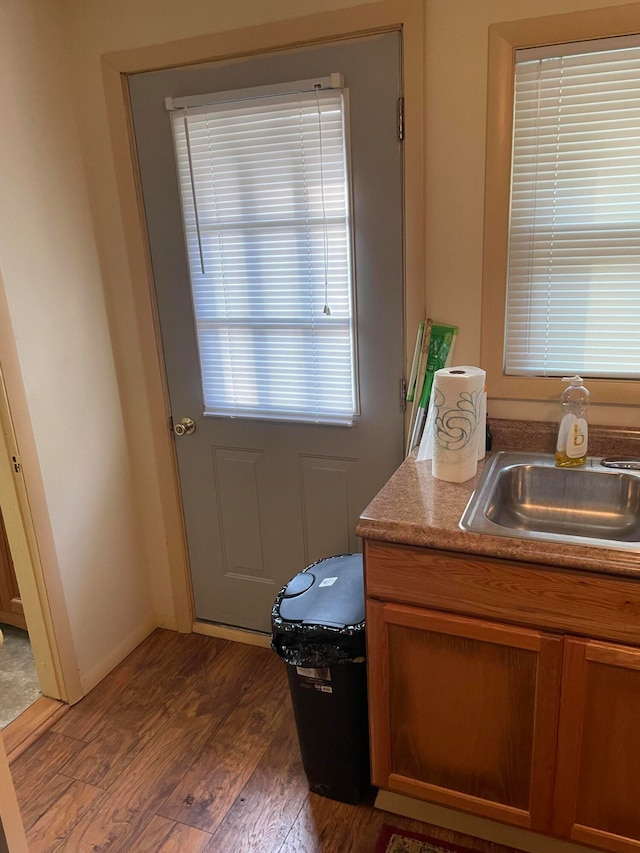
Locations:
column 573, row 435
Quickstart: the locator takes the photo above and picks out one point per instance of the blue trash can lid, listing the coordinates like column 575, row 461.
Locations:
column 330, row 592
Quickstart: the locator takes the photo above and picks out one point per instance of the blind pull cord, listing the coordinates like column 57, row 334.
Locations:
column 193, row 188
column 326, row 310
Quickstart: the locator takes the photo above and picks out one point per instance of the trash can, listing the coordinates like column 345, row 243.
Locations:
column 318, row 629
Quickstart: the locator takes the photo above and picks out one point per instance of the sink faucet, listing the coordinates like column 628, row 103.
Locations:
column 628, row 462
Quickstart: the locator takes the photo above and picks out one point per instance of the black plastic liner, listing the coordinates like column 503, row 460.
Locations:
column 315, row 645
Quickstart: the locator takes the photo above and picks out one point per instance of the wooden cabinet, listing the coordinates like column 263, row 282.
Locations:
column 509, row 720
column 597, row 799
column 464, row 712
column 11, row 609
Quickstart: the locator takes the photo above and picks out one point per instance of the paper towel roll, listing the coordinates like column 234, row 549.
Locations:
column 458, row 402
column 425, row 451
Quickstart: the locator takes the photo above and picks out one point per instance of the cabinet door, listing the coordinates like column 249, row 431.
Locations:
column 464, row 712
column 11, row 610
column 597, row 798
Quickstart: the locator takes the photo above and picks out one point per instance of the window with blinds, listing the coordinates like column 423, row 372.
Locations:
column 265, row 197
column 573, row 290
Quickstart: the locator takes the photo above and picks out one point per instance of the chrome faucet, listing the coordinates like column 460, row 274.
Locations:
column 629, row 462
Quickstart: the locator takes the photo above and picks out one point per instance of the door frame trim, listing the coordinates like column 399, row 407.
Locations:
column 405, row 16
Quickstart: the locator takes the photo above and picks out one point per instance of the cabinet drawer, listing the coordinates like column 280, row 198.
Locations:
column 574, row 602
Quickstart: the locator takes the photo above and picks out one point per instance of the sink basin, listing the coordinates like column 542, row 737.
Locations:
column 524, row 495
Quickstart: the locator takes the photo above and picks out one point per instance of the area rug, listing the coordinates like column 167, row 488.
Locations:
column 19, row 686
column 394, row 840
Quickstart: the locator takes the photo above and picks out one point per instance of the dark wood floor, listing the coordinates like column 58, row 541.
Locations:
column 188, row 746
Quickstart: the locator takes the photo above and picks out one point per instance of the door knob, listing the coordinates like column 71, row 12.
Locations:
column 185, row 427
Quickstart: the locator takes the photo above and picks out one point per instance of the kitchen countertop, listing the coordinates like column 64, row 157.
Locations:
column 414, row 508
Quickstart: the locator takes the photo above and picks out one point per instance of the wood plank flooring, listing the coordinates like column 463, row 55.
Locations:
column 189, row 746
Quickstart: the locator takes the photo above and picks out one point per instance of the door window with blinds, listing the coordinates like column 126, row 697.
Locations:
column 573, row 290
column 264, row 182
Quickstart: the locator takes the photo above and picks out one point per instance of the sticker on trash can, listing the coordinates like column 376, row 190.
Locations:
column 328, row 582
column 315, row 679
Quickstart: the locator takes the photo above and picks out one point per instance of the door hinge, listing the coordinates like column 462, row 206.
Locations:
column 17, row 464
column 403, row 394
column 400, row 119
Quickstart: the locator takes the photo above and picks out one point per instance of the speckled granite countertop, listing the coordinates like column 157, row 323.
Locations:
column 414, row 508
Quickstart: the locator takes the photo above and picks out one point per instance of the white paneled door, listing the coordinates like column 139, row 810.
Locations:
column 272, row 189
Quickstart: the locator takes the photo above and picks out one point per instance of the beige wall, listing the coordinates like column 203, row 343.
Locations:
column 55, row 300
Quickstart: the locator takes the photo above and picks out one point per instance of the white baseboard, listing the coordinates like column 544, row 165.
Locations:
column 236, row 635
column 478, row 827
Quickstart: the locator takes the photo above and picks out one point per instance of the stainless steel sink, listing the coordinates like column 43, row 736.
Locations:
column 524, row 495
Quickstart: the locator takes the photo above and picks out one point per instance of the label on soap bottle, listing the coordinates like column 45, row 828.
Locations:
column 577, row 436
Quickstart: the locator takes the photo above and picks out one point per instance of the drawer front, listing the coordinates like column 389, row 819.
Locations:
column 522, row 593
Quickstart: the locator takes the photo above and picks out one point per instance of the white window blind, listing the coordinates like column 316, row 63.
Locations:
column 573, row 292
column 265, row 198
